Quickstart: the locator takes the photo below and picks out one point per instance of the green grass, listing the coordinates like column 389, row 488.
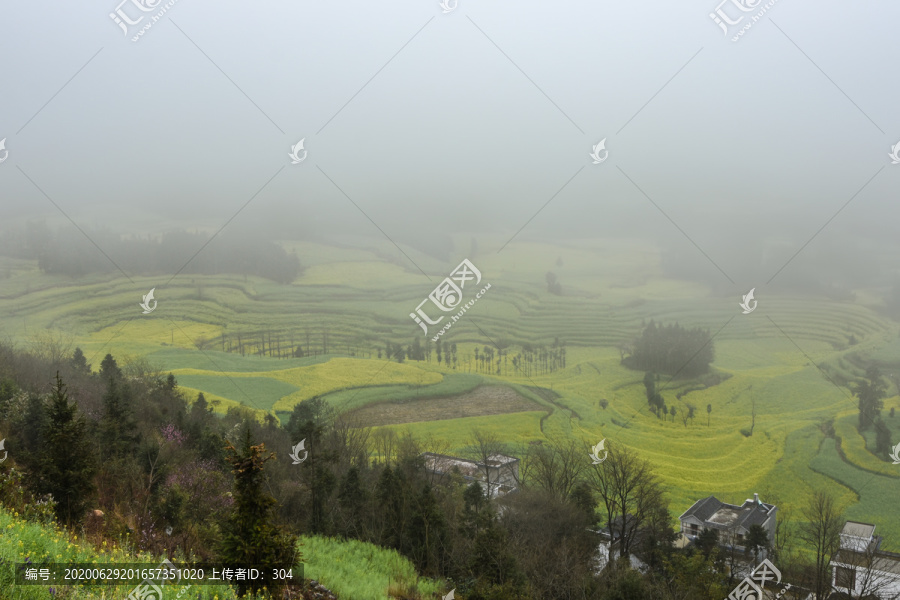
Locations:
column 221, row 405
column 856, row 449
column 876, row 495
column 20, row 539
column 216, row 360
column 361, row 571
column 259, row 392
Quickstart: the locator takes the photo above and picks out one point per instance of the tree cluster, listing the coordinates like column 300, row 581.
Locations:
column 68, row 252
column 671, row 349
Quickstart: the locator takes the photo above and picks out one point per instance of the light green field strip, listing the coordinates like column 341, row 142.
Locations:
column 219, row 404
column 336, row 374
column 854, row 447
column 356, row 570
column 877, row 494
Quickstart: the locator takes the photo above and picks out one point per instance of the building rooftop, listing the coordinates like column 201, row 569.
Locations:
column 723, row 516
column 860, row 530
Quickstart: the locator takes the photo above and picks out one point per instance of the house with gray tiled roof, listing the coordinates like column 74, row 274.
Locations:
column 733, row 522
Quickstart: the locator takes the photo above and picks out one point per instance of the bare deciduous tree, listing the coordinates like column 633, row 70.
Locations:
column 821, row 531
column 484, row 445
column 629, row 493
column 556, row 466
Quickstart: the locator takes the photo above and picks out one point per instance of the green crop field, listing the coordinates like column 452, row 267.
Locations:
column 357, row 570
column 789, row 363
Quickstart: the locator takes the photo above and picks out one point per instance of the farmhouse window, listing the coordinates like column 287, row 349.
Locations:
column 845, row 578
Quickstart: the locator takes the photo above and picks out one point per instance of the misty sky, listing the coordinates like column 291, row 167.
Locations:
column 766, row 137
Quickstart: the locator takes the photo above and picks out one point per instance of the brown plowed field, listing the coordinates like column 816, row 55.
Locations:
column 482, row 401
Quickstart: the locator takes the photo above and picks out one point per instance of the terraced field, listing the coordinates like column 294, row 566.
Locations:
column 482, row 401
column 790, row 361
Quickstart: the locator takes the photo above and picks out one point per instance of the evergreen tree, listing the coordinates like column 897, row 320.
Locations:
column 583, row 498
column 65, row 465
column 249, row 536
column 309, row 420
column 200, row 410
column 8, row 389
column 672, row 349
column 650, row 386
column 707, row 541
column 353, row 500
column 870, row 392
column 882, row 438
column 388, row 495
column 34, row 424
column 80, row 362
column 757, row 541
column 323, row 483
column 118, row 431
column 427, row 532
column 109, row 368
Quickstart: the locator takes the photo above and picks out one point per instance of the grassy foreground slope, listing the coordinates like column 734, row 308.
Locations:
column 22, row 541
column 353, row 570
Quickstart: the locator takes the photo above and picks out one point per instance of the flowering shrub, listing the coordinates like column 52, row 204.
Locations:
column 14, row 496
column 172, row 434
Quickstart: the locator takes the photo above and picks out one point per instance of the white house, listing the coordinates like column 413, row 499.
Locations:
column 500, row 472
column 731, row 521
column 861, row 568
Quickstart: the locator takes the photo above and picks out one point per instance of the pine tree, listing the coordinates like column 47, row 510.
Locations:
column 389, row 495
column 707, row 541
column 427, row 532
column 65, row 465
column 882, row 438
column 249, row 537
column 109, row 368
column 352, row 499
column 118, row 431
column 34, row 424
column 870, row 392
column 80, row 362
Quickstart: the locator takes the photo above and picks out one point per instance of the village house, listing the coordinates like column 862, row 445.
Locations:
column 499, row 473
column 861, row 569
column 731, row 521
